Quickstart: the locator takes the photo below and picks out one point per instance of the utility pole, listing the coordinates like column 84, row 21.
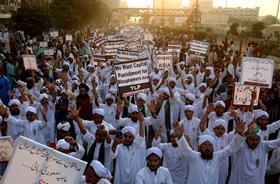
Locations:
column 277, row 12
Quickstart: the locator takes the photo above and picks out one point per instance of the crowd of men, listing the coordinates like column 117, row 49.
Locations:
column 185, row 130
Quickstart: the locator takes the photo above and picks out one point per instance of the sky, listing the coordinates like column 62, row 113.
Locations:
column 267, row 7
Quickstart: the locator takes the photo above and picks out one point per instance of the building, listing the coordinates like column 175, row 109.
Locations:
column 202, row 4
column 249, row 14
column 113, row 4
column 168, row 4
column 35, row 2
column 272, row 32
column 214, row 17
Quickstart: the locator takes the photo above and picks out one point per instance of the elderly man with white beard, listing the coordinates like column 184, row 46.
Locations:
column 205, row 162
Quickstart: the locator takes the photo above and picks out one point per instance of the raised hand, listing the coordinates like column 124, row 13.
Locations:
column 178, row 129
column 239, row 126
column 73, row 113
column 210, row 108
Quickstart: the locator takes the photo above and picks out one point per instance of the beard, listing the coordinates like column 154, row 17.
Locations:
column 207, row 156
column 15, row 113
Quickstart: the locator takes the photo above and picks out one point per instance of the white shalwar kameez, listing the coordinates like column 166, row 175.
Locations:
column 146, row 176
column 204, row 171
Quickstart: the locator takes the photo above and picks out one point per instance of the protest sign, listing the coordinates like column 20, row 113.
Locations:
column 43, row 44
column 257, row 71
column 6, row 148
column 34, row 163
column 29, row 62
column 126, row 55
column 98, row 41
column 148, row 37
column 164, row 61
column 54, row 34
column 174, row 48
column 49, row 52
column 242, row 94
column 69, row 37
column 199, row 48
column 111, row 47
column 98, row 58
column 132, row 77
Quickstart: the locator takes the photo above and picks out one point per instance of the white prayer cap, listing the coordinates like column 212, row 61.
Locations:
column 100, row 170
column 143, row 96
column 202, row 85
column 14, row 102
column 75, row 82
column 189, row 76
column 132, row 108
column 42, row 96
column 190, row 96
column 31, row 109
column 260, row 114
column 189, row 107
column 154, row 150
column 155, row 77
column 220, row 103
column 218, row 122
column 65, row 126
column 172, row 132
column 109, row 96
column 172, row 79
column 90, row 66
column 62, row 144
column 98, row 111
column 166, row 91
column 129, row 129
column 204, row 138
column 66, row 63
column 182, row 63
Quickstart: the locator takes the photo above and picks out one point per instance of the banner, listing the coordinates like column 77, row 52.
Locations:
column 126, row 55
column 199, row 48
column 34, row 163
column 6, row 148
column 97, row 58
column 257, row 71
column 98, row 41
column 242, row 94
column 49, row 52
column 164, row 61
column 174, row 48
column 29, row 62
column 43, row 44
column 132, row 77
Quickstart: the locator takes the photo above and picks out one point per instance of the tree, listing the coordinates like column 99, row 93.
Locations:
column 256, row 30
column 269, row 19
column 233, row 29
column 32, row 20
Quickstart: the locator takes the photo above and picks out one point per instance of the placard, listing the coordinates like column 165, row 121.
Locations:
column 6, row 148
column 98, row 58
column 126, row 55
column 257, row 71
column 49, row 52
column 54, row 34
column 29, row 62
column 34, row 163
column 174, row 48
column 43, row 44
column 242, row 94
column 132, row 77
column 69, row 37
column 164, row 61
column 198, row 48
column 111, row 47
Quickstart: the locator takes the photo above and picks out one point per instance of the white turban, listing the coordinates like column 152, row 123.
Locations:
column 260, row 114
column 44, row 95
column 218, row 122
column 98, row 111
column 109, row 96
column 189, row 76
column 143, row 96
column 100, row 170
column 129, row 129
column 172, row 79
column 62, row 144
column 190, row 96
column 165, row 90
column 220, row 103
column 154, row 150
column 202, row 85
column 155, row 77
column 132, row 108
column 14, row 101
column 189, row 107
column 31, row 109
column 64, row 126
column 204, row 138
